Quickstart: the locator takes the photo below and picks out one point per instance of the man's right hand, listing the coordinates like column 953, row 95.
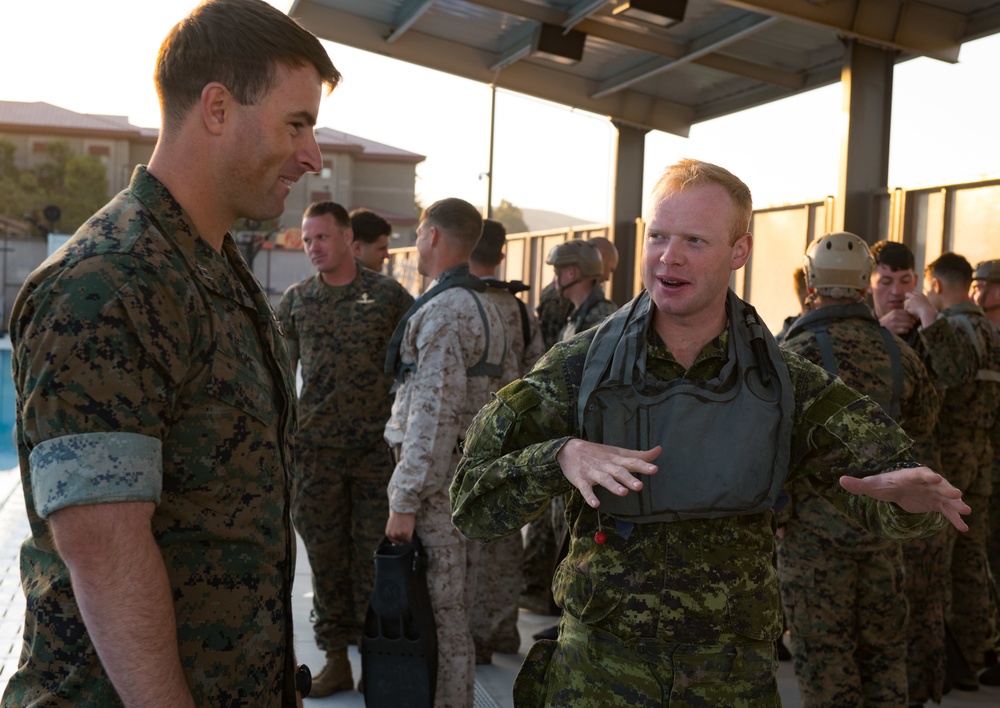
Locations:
column 898, row 321
column 588, row 464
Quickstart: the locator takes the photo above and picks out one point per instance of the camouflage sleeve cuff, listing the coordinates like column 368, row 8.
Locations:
column 95, row 468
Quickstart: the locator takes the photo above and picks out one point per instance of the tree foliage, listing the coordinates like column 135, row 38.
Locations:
column 77, row 184
column 511, row 217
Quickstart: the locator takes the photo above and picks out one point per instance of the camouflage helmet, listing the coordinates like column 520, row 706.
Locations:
column 582, row 254
column 988, row 271
column 838, row 260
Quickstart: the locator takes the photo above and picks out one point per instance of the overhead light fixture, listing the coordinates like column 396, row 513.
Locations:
column 661, row 13
column 557, row 44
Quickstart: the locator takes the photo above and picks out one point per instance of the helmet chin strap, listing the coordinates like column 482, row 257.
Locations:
column 563, row 288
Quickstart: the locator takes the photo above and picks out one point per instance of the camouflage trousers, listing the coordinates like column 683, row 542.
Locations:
column 451, row 584
column 926, row 576
column 340, row 508
column 590, row 668
column 847, row 616
column 967, row 463
column 494, row 613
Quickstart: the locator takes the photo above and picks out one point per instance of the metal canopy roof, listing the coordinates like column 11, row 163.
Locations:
column 725, row 56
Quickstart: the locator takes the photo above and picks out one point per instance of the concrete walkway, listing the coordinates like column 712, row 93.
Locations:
column 493, row 682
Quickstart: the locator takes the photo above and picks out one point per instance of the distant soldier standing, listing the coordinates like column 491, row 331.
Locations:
column 961, row 349
column 337, row 325
column 848, row 638
column 448, row 355
column 494, row 613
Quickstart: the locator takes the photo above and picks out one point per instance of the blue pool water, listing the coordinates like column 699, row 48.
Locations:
column 8, row 453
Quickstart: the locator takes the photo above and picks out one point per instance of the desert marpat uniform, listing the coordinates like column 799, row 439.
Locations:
column 963, row 366
column 437, row 400
column 685, row 612
column 149, row 367
column 494, row 613
column 843, row 588
column 339, row 334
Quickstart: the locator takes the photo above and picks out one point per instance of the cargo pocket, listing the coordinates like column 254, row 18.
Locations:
column 582, row 596
column 529, row 684
column 756, row 613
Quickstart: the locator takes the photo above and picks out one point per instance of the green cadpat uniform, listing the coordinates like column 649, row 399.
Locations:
column 591, row 312
column 339, row 334
column 552, row 311
column 684, row 612
column 843, row 589
column 149, row 367
column 970, row 408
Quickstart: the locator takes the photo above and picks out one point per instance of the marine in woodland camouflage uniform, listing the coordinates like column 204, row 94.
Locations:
column 961, row 349
column 143, row 374
column 444, row 342
column 683, row 612
column 842, row 588
column 924, row 558
column 494, row 613
column 340, row 333
column 155, row 398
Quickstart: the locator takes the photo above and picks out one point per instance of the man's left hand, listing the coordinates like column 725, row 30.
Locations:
column 916, row 490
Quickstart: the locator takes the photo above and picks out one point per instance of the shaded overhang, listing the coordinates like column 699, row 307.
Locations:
column 724, row 55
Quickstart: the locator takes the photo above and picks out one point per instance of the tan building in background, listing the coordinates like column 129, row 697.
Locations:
column 356, row 173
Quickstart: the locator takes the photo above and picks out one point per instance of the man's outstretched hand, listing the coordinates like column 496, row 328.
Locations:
column 916, row 490
column 588, row 464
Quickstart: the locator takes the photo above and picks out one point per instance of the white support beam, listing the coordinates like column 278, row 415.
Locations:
column 901, row 25
column 407, row 15
column 628, row 106
column 652, row 42
column 704, row 46
column 581, row 11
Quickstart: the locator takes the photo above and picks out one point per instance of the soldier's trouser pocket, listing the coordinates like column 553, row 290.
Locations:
column 529, row 685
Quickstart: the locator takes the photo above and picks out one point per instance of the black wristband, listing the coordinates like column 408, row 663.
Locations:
column 303, row 680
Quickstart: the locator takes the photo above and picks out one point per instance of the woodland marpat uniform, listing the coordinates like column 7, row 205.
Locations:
column 339, row 336
column 849, row 638
column 149, row 367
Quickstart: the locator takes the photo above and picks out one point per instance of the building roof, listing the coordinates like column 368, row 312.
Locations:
column 17, row 116
column 363, row 149
column 722, row 57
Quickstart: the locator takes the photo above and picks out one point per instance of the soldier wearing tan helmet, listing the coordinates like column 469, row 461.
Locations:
column 985, row 289
column 833, row 626
column 579, row 269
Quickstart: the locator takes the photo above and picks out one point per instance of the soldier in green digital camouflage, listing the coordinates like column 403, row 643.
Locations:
column 337, row 325
column 155, row 397
column 843, row 588
column 961, row 349
column 669, row 593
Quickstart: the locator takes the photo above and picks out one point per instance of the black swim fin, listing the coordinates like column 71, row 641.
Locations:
column 399, row 655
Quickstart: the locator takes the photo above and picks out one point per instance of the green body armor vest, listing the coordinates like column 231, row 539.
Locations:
column 726, row 441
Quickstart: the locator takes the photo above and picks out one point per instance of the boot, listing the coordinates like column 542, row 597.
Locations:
column 334, row 676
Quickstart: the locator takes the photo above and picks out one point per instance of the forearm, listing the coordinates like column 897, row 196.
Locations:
column 494, row 495
column 121, row 586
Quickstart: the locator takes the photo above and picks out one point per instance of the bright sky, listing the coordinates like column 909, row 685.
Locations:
column 97, row 56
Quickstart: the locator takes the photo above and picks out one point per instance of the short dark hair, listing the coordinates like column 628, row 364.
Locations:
column 338, row 212
column 489, row 250
column 952, row 269
column 457, row 218
column 238, row 43
column 894, row 254
column 369, row 226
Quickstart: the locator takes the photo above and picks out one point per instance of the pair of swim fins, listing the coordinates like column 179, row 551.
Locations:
column 399, row 654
